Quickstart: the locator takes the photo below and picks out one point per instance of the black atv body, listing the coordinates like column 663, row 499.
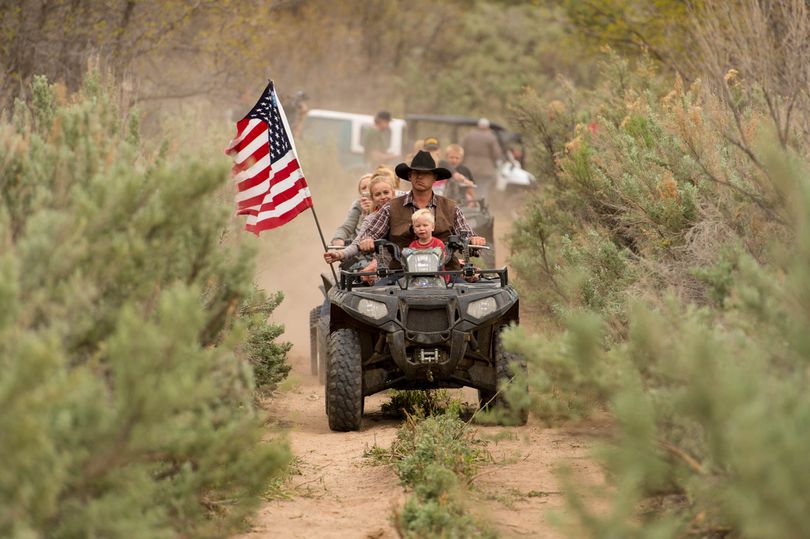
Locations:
column 420, row 328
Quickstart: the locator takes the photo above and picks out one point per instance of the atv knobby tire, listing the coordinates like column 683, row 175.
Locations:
column 344, row 380
column 505, row 362
column 314, row 320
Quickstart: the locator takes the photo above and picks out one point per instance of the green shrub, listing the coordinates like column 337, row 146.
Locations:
column 436, row 456
column 443, row 439
column 437, row 509
column 648, row 192
column 674, row 247
column 419, row 403
column 126, row 409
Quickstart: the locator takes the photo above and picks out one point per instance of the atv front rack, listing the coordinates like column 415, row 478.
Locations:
column 352, row 279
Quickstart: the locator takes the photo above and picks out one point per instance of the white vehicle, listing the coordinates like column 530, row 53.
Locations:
column 344, row 131
column 511, row 174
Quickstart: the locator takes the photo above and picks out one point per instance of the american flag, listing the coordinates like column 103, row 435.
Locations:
column 271, row 187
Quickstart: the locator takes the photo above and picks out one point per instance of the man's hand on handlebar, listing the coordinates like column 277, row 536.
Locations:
column 477, row 240
column 372, row 266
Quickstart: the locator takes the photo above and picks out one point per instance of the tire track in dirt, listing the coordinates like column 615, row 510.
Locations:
column 337, row 493
column 519, row 492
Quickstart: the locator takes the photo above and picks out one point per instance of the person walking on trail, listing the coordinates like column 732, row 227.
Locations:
column 377, row 140
column 393, row 220
column 481, row 154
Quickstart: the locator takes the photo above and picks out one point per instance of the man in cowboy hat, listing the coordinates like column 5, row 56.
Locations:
column 393, row 220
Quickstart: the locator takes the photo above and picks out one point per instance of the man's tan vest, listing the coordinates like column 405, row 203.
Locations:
column 399, row 223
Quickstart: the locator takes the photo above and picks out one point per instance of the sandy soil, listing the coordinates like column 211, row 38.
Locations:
column 339, row 493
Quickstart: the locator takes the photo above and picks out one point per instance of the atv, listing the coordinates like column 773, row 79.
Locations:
column 419, row 327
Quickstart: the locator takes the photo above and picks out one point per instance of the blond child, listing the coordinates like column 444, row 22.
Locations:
column 424, row 224
column 460, row 186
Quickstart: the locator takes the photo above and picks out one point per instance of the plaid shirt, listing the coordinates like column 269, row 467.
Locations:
column 376, row 225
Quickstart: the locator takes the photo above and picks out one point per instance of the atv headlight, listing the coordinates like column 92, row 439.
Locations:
column 482, row 307
column 372, row 309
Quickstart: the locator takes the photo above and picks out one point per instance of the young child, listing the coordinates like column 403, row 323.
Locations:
column 460, row 186
column 423, row 224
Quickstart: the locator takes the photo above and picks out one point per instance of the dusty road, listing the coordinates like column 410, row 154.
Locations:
column 340, row 494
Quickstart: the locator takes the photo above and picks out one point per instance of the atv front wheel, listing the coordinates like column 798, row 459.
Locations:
column 344, row 380
column 507, row 365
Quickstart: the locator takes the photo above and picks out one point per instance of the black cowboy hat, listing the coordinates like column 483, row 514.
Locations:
column 422, row 161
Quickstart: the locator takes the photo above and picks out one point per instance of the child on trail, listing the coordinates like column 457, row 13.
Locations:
column 460, row 186
column 423, row 226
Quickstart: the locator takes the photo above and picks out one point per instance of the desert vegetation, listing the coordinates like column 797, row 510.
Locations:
column 134, row 344
column 671, row 240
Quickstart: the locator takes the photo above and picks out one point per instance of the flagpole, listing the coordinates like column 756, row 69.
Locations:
column 288, row 130
column 323, row 241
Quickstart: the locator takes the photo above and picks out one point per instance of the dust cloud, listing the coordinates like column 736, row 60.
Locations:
column 291, row 257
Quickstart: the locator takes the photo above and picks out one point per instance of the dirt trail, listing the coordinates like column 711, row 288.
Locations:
column 339, row 493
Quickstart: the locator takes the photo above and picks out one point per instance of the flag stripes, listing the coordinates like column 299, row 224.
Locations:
column 271, row 188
